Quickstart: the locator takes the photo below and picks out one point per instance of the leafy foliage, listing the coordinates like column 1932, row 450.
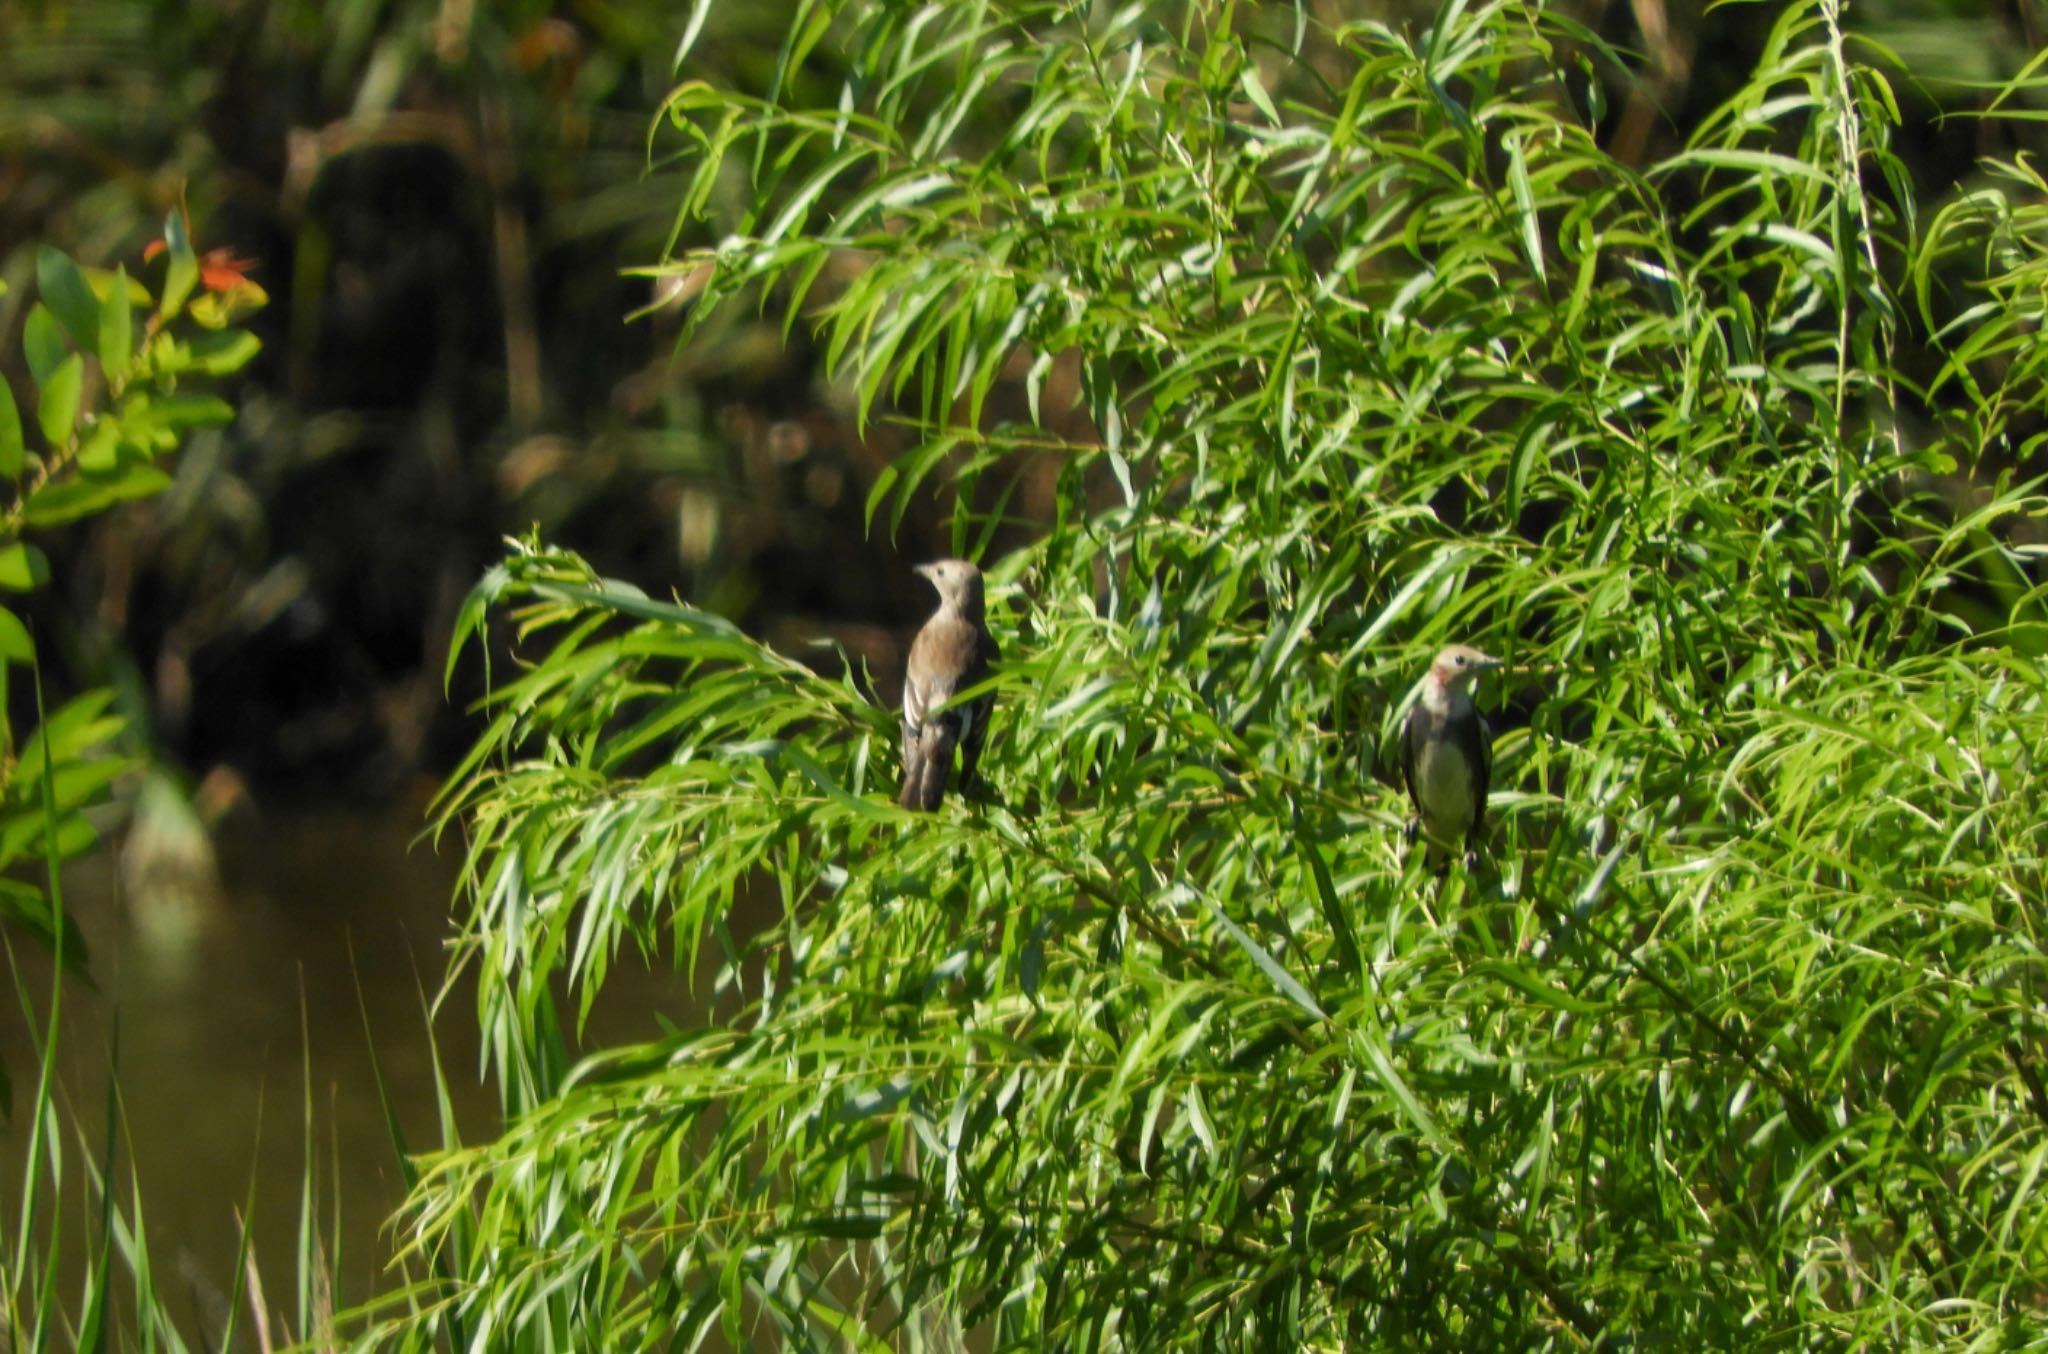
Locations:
column 1167, row 1041
column 110, row 405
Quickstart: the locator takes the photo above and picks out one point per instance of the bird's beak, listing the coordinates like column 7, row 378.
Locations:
column 925, row 571
column 1489, row 661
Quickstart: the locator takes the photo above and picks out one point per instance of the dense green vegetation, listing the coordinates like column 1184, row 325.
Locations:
column 1341, row 341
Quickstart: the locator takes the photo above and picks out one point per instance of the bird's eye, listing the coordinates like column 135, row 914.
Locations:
column 1459, row 660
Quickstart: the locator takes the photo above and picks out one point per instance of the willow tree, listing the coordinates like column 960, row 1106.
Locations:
column 1340, row 341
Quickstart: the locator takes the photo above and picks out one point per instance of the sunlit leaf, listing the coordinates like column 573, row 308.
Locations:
column 62, row 501
column 216, row 309
column 15, row 644
column 22, row 567
column 57, row 403
column 223, row 353
column 116, row 334
column 42, row 343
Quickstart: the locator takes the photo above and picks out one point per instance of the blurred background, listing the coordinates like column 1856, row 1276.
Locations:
column 443, row 200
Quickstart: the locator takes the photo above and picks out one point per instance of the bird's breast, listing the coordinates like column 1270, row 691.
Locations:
column 1443, row 785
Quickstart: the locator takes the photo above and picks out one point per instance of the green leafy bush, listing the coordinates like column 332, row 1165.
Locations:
column 112, row 400
column 1342, row 342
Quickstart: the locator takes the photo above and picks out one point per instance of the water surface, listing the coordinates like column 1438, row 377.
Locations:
column 328, row 929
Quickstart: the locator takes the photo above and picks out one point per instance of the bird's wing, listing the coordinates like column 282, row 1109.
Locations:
column 925, row 683
column 1479, row 753
column 985, row 655
column 978, row 671
column 914, row 705
column 943, row 659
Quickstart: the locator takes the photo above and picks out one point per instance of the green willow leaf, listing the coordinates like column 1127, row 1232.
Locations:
column 1283, row 981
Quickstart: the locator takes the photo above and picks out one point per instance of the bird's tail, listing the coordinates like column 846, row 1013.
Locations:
column 929, row 761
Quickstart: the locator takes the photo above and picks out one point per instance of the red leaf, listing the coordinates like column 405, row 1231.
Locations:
column 220, row 270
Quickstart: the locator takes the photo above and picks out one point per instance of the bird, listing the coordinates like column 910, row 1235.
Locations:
column 952, row 653
column 1447, row 757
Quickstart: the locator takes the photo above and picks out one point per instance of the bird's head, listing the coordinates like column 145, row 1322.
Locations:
column 1457, row 667
column 959, row 585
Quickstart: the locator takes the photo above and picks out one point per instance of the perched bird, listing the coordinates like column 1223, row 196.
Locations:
column 1447, row 757
column 952, row 653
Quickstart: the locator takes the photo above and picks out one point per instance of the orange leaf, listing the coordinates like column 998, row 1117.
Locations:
column 220, row 270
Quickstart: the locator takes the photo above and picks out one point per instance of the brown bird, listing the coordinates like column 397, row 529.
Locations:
column 951, row 654
column 1447, row 757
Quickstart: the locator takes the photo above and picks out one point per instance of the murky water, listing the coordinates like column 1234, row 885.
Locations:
column 326, row 935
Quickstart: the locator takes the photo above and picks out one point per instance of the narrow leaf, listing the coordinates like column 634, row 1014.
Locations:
column 1267, row 964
